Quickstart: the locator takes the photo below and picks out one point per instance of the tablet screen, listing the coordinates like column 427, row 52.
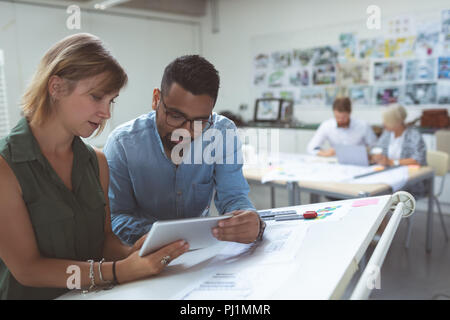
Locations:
column 196, row 231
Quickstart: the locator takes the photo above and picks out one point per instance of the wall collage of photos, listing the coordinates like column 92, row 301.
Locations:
column 412, row 69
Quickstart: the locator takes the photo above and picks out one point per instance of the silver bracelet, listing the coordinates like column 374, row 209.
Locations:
column 110, row 284
column 100, row 269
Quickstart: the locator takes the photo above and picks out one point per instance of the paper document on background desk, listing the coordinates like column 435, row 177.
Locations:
column 396, row 178
column 314, row 171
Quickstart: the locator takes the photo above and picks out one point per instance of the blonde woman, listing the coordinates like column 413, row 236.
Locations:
column 54, row 209
column 400, row 144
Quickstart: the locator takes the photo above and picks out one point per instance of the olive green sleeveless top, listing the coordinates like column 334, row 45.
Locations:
column 67, row 224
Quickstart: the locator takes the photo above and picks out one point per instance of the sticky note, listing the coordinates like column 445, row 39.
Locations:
column 365, row 202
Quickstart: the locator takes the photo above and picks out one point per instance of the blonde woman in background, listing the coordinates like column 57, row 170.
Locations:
column 400, row 144
column 54, row 208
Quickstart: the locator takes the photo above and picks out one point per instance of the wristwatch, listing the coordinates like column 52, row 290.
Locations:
column 262, row 227
column 396, row 162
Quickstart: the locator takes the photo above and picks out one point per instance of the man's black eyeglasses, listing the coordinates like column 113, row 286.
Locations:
column 177, row 120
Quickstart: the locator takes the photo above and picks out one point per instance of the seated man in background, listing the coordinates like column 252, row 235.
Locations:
column 343, row 129
column 148, row 183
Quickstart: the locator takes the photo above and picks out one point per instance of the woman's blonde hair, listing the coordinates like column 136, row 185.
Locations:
column 394, row 116
column 74, row 58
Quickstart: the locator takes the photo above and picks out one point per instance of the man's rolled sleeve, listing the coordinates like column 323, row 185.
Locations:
column 317, row 140
column 128, row 228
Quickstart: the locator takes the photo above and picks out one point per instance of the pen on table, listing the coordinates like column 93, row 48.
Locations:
column 375, row 172
column 205, row 212
column 270, row 215
column 307, row 215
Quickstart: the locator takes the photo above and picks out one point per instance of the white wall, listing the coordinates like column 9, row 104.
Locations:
column 247, row 26
column 143, row 46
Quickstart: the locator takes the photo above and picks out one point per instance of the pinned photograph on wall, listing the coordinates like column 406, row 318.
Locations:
column 350, row 73
column 399, row 48
column 325, row 55
column 445, row 44
column 420, row 69
column 268, row 94
column 387, row 71
column 360, row 95
column 261, row 61
column 420, row 93
column 281, row 59
column 371, row 48
column 299, row 77
column 400, row 26
column 444, row 68
column 277, row 78
column 260, row 78
column 443, row 92
column 348, row 46
column 387, row 95
column 290, row 94
column 312, row 96
column 302, row 57
column 445, row 21
column 427, row 40
column 331, row 93
column 324, row 74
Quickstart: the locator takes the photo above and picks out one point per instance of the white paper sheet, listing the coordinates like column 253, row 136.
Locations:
column 396, row 178
column 265, row 266
column 310, row 168
column 256, row 282
column 280, row 241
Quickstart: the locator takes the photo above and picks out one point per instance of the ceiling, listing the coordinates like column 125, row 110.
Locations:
column 196, row 8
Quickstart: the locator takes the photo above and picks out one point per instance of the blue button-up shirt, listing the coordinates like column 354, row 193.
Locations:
column 146, row 186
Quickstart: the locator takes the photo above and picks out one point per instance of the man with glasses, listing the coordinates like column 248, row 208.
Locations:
column 148, row 184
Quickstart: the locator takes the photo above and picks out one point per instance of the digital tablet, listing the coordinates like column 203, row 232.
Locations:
column 196, row 231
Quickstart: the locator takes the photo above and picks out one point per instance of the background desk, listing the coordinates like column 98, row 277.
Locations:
column 324, row 264
column 349, row 190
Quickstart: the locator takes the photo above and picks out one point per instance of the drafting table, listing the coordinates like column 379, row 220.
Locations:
column 348, row 190
column 326, row 260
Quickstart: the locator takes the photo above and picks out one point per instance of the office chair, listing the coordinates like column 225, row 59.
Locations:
column 439, row 161
column 443, row 141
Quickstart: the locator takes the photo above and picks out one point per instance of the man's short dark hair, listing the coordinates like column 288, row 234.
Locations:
column 342, row 105
column 194, row 73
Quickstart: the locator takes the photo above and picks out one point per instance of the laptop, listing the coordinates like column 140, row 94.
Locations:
column 351, row 154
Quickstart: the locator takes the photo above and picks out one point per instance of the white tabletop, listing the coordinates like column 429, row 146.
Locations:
column 324, row 263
